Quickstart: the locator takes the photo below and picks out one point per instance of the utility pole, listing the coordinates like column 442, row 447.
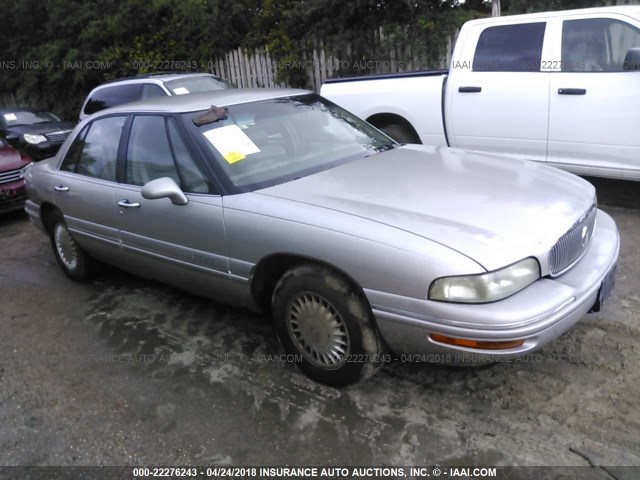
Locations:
column 495, row 8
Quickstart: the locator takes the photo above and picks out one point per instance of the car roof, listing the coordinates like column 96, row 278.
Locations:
column 159, row 76
column 631, row 10
column 202, row 101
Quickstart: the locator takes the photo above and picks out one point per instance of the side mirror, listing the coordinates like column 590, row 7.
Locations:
column 632, row 59
column 164, row 187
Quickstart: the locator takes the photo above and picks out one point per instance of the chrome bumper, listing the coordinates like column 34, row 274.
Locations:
column 538, row 314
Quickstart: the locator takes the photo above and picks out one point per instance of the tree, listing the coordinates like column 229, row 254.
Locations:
column 526, row 6
column 55, row 43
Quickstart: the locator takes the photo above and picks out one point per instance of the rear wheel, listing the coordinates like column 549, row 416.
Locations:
column 75, row 262
column 400, row 133
column 325, row 323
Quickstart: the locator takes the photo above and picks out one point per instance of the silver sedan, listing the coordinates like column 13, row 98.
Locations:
column 361, row 250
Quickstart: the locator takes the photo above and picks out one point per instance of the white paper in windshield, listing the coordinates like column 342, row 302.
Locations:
column 232, row 143
column 180, row 91
column 10, row 117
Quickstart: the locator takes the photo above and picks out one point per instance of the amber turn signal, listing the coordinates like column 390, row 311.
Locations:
column 464, row 342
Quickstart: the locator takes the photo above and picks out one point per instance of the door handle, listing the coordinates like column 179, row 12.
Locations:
column 125, row 203
column 61, row 188
column 470, row 89
column 572, row 91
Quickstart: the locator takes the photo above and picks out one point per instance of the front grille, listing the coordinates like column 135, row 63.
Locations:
column 572, row 244
column 8, row 204
column 58, row 136
column 10, row 176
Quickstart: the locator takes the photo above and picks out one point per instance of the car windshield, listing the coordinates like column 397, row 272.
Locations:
column 21, row 117
column 205, row 83
column 261, row 144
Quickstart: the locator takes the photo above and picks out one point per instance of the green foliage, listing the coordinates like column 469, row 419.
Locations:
column 55, row 51
column 513, row 7
column 277, row 26
column 364, row 35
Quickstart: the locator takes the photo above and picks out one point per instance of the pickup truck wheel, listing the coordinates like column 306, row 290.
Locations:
column 75, row 262
column 326, row 325
column 400, row 134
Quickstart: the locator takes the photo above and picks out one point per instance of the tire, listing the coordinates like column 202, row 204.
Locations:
column 400, row 134
column 309, row 300
column 75, row 262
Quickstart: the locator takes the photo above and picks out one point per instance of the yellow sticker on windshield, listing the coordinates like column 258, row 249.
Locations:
column 233, row 157
column 232, row 143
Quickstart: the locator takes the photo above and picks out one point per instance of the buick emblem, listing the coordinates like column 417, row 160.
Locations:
column 585, row 235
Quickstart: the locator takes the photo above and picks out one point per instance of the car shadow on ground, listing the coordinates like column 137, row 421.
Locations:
column 170, row 332
column 12, row 218
column 616, row 193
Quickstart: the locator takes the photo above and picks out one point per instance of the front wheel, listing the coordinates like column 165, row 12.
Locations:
column 400, row 134
column 75, row 262
column 325, row 323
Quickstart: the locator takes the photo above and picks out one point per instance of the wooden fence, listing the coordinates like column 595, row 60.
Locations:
column 257, row 68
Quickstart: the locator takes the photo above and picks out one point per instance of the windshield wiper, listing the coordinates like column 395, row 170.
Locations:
column 385, row 147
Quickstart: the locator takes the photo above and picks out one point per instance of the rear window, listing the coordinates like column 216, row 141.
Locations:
column 113, row 96
column 204, row 83
column 510, row 48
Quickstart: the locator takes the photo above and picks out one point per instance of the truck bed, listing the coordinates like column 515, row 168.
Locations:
column 388, row 76
column 413, row 97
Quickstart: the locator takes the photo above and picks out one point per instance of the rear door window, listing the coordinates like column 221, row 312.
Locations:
column 95, row 150
column 510, row 48
column 597, row 44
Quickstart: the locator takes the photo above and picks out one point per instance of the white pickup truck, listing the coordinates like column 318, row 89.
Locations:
column 561, row 88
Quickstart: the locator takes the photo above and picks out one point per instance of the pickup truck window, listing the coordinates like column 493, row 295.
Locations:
column 596, row 44
column 510, row 48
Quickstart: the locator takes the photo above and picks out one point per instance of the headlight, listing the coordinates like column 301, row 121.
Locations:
column 486, row 287
column 34, row 139
column 24, row 169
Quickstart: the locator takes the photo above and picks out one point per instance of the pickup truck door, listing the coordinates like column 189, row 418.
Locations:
column 594, row 116
column 497, row 97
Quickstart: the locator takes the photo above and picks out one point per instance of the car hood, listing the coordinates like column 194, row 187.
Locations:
column 10, row 158
column 492, row 209
column 42, row 128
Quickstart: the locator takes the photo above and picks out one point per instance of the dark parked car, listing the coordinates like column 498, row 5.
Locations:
column 12, row 168
column 37, row 133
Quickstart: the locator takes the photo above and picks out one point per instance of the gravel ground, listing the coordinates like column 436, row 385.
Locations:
column 123, row 371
